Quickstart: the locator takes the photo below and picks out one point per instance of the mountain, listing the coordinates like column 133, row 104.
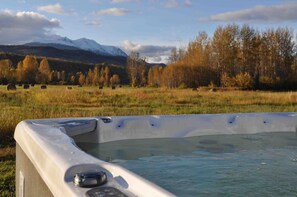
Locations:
column 82, row 43
column 63, row 52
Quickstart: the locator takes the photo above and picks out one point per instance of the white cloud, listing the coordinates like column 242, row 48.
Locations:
column 188, row 3
column 124, row 1
column 154, row 53
column 177, row 4
column 274, row 13
column 23, row 27
column 155, row 59
column 53, row 9
column 113, row 12
column 171, row 4
column 92, row 23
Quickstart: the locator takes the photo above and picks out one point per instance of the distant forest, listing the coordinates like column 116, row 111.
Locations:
column 29, row 69
column 234, row 56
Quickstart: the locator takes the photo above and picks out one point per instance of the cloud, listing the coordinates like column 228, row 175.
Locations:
column 113, row 12
column 92, row 23
column 152, row 52
column 155, row 59
column 188, row 3
column 23, row 27
column 53, row 9
column 273, row 13
column 176, row 4
column 124, row 1
column 171, row 4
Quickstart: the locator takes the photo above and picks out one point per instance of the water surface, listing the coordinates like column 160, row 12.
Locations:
column 221, row 165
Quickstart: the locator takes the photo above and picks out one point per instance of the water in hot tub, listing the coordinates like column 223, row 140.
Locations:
column 220, row 165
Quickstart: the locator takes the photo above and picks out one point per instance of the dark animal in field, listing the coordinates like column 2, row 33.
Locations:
column 79, row 86
column 100, row 87
column 32, row 85
column 11, row 86
column 26, row 86
column 43, row 87
column 20, row 85
column 69, row 88
column 113, row 87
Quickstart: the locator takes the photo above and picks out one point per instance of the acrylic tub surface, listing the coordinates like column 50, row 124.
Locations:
column 49, row 145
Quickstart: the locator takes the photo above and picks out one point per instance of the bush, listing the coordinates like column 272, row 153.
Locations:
column 182, row 86
column 241, row 80
column 227, row 81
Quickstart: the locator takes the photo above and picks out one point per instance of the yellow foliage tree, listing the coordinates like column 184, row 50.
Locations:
column 44, row 71
column 30, row 65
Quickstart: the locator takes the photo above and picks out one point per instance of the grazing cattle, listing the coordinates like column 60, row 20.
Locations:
column 69, row 88
column 11, row 86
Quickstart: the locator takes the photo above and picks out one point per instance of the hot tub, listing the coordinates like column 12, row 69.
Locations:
column 51, row 158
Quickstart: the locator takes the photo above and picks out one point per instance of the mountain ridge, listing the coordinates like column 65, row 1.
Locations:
column 70, row 54
column 83, row 44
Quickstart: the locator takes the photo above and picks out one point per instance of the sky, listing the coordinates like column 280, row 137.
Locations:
column 151, row 27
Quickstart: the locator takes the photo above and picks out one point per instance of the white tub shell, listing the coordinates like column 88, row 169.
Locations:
column 50, row 144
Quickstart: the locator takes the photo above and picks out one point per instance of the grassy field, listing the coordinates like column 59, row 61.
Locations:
column 57, row 101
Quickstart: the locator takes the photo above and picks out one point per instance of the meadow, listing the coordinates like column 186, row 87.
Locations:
column 58, row 101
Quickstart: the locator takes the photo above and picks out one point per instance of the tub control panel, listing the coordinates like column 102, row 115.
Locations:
column 105, row 192
column 89, row 179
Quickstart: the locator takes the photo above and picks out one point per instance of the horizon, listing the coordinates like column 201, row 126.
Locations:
column 150, row 27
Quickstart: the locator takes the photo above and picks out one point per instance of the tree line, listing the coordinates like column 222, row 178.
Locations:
column 30, row 71
column 235, row 56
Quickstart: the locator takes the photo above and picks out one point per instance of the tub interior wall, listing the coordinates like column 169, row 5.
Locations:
column 90, row 137
column 144, row 127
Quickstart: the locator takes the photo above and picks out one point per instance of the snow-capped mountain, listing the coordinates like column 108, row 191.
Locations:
column 85, row 44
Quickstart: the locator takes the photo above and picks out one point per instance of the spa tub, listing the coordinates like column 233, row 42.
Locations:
column 49, row 162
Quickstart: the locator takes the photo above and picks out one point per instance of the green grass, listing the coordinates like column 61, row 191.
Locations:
column 57, row 102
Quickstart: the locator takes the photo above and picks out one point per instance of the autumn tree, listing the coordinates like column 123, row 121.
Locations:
column 225, row 49
column 30, row 65
column 7, row 72
column 106, row 76
column 155, row 76
column 114, row 80
column 89, row 78
column 20, row 72
column 96, row 76
column 136, row 68
column 81, row 79
column 44, row 71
